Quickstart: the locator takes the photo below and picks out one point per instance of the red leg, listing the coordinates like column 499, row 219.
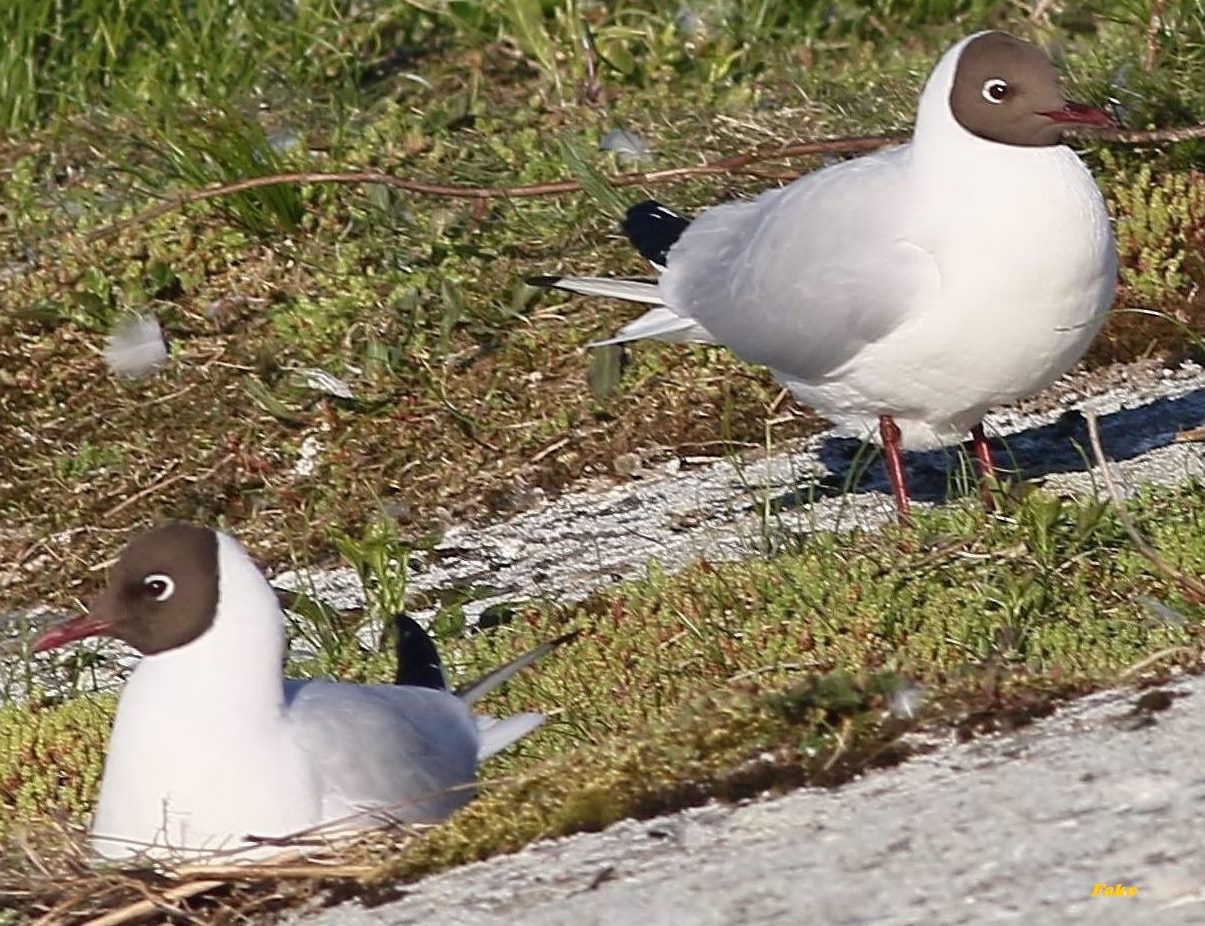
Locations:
column 983, row 452
column 987, row 469
column 890, row 432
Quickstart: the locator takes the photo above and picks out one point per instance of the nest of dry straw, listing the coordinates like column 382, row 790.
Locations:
column 51, row 880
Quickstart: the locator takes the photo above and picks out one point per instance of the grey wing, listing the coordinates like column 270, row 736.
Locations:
column 802, row 278
column 406, row 752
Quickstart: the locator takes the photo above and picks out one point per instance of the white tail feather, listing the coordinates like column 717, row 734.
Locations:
column 632, row 290
column 661, row 324
column 497, row 734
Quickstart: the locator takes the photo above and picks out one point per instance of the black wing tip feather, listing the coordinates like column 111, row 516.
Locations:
column 418, row 662
column 653, row 229
column 549, row 281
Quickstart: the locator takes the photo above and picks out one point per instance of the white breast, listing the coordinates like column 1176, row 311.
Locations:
column 194, row 780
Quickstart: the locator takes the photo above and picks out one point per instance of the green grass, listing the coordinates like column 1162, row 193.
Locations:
column 464, row 377
column 63, row 58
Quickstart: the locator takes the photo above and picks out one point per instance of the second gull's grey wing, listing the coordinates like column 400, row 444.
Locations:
column 409, row 750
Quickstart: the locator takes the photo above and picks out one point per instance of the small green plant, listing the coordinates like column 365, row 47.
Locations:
column 381, row 559
column 1160, row 230
column 86, row 459
column 224, row 147
column 51, row 756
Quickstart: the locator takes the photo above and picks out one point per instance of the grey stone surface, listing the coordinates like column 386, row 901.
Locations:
column 1014, row 828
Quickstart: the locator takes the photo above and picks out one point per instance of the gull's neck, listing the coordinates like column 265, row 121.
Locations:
column 232, row 672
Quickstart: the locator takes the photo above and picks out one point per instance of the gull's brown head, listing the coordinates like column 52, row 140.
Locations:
column 1007, row 90
column 162, row 593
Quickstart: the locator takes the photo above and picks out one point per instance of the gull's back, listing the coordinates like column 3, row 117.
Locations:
column 802, row 278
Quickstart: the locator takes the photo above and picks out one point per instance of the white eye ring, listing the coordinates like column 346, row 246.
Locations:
column 160, row 587
column 994, row 90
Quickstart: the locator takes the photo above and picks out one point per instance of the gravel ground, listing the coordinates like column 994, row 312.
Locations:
column 1016, row 828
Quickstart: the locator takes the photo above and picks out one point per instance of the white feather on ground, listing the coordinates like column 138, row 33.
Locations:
column 136, row 347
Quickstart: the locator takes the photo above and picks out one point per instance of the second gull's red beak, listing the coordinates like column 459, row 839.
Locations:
column 1080, row 114
column 71, row 630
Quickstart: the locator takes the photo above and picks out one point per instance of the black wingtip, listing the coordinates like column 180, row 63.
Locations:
column 418, row 662
column 653, row 229
column 548, row 282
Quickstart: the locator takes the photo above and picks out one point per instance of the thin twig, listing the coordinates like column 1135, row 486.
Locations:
column 734, row 164
column 1192, row 587
column 1154, row 658
column 591, row 87
column 163, row 483
column 55, row 913
column 549, row 450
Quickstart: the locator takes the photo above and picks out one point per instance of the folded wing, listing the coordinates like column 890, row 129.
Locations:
column 397, row 752
column 803, row 278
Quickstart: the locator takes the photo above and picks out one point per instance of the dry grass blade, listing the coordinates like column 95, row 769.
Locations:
column 1153, row 28
column 140, row 910
column 1192, row 587
column 284, row 872
column 1155, row 658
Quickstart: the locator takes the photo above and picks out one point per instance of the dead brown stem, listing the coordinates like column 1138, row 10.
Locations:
column 728, row 165
column 140, row 910
column 734, row 164
column 162, row 481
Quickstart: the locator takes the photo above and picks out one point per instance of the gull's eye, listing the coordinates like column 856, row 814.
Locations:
column 159, row 587
column 994, row 90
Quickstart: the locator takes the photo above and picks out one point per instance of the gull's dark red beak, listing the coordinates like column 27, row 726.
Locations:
column 86, row 625
column 1080, row 114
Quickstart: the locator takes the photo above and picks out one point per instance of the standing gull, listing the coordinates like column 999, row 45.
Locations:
column 912, row 289
column 212, row 746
